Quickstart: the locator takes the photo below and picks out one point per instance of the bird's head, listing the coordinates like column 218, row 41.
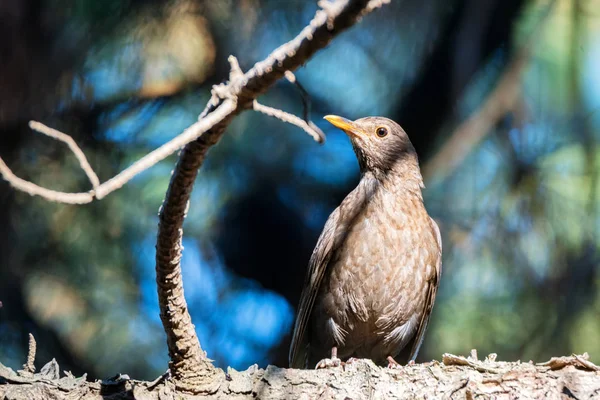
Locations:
column 380, row 144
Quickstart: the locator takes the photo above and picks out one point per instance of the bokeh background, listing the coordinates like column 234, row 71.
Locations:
column 499, row 97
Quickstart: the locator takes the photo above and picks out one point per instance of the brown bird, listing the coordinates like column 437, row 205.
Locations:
column 373, row 276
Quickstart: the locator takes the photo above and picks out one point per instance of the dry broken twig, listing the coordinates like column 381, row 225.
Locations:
column 83, row 162
column 30, row 366
column 481, row 366
column 578, row 361
column 306, row 124
column 289, row 75
column 309, row 128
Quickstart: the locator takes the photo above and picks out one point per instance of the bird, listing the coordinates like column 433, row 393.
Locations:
column 373, row 276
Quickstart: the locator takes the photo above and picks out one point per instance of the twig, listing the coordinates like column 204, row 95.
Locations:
column 101, row 191
column 48, row 194
column 289, row 75
column 30, row 366
column 451, row 359
column 312, row 128
column 309, row 128
column 188, row 135
column 83, row 162
column 579, row 361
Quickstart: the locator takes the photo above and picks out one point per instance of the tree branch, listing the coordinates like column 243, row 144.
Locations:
column 455, row 378
column 83, row 162
column 308, row 126
column 100, row 191
column 289, row 75
column 190, row 368
column 190, row 134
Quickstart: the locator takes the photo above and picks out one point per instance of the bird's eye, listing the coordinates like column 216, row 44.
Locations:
column 381, row 131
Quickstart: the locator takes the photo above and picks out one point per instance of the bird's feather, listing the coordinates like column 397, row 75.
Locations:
column 333, row 234
column 430, row 297
column 316, row 270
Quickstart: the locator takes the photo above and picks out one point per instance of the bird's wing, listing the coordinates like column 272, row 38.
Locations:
column 335, row 230
column 430, row 299
column 316, row 270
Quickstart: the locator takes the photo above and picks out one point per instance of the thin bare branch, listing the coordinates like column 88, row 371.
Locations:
column 188, row 135
column 308, row 127
column 63, row 137
column 289, row 75
column 48, row 194
column 150, row 159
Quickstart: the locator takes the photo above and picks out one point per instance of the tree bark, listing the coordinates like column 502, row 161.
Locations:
column 454, row 378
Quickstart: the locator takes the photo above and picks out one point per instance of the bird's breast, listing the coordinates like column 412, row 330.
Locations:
column 376, row 278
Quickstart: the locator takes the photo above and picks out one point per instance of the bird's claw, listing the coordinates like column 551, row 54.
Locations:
column 329, row 363
column 393, row 363
column 351, row 360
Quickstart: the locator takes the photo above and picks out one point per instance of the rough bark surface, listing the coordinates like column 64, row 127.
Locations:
column 454, row 378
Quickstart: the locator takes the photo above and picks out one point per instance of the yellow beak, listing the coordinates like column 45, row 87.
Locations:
column 344, row 124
